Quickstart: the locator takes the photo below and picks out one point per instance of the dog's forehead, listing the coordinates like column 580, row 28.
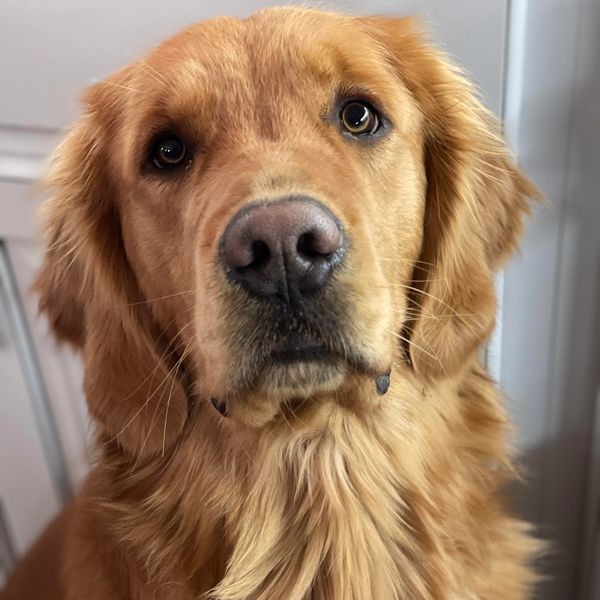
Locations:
column 287, row 47
column 276, row 75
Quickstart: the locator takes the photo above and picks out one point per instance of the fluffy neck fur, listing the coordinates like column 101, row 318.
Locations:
column 400, row 503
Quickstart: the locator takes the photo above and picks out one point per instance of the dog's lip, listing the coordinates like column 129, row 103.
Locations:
column 298, row 347
column 220, row 406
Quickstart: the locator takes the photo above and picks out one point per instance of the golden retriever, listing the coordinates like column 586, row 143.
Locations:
column 273, row 241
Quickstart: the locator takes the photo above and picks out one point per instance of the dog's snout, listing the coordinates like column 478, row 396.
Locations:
column 282, row 248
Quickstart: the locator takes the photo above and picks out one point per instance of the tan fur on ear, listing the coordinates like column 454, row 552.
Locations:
column 476, row 200
column 90, row 295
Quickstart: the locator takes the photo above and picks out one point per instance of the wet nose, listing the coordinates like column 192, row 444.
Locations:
column 283, row 248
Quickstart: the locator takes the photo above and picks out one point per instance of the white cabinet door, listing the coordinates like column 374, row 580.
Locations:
column 28, row 493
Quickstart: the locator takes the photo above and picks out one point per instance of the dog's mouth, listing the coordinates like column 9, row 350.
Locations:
column 300, row 348
column 281, row 354
column 297, row 366
column 302, row 364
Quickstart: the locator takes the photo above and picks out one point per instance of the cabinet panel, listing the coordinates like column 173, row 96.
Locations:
column 60, row 368
column 28, row 495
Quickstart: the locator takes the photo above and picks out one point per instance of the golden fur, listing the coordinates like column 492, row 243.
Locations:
column 310, row 490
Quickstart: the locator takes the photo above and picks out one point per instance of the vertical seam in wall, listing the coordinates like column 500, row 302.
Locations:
column 552, row 391
column 512, row 74
column 505, row 58
column 510, row 105
column 493, row 352
column 511, row 77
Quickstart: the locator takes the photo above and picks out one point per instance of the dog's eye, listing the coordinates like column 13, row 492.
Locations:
column 358, row 118
column 168, row 152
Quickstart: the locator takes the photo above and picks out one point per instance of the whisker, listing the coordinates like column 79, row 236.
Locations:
column 155, row 415
column 149, row 69
column 179, row 363
column 150, row 428
column 161, row 357
column 417, row 313
column 145, row 404
column 149, row 300
column 407, row 260
column 118, row 85
column 286, row 403
column 424, row 293
column 299, row 406
column 411, row 343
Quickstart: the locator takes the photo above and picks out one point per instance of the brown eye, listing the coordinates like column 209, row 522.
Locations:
column 358, row 118
column 168, row 152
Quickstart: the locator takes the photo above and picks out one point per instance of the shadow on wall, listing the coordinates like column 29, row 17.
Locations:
column 564, row 576
column 561, row 468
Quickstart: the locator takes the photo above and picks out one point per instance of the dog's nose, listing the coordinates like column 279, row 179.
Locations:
column 284, row 248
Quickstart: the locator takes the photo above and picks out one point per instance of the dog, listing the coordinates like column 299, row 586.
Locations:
column 273, row 241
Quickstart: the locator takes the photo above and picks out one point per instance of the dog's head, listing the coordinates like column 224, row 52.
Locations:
column 274, row 213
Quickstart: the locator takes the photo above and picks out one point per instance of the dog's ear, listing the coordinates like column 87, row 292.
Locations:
column 90, row 294
column 475, row 202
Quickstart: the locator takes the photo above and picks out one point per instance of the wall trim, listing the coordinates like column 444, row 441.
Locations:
column 24, row 152
column 32, row 375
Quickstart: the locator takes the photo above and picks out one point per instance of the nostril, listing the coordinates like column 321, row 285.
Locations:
column 260, row 253
column 320, row 242
column 254, row 256
column 308, row 247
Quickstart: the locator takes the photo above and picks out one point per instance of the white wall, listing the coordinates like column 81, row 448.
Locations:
column 551, row 332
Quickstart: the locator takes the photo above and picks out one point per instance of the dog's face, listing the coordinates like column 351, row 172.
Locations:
column 273, row 214
column 276, row 174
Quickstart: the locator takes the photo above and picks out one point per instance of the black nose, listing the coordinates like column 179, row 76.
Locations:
column 284, row 248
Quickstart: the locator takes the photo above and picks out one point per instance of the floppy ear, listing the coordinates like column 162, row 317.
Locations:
column 89, row 291
column 475, row 203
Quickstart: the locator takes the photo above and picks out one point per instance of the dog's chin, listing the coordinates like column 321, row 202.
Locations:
column 297, row 373
column 284, row 387
column 288, row 381
column 302, row 378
